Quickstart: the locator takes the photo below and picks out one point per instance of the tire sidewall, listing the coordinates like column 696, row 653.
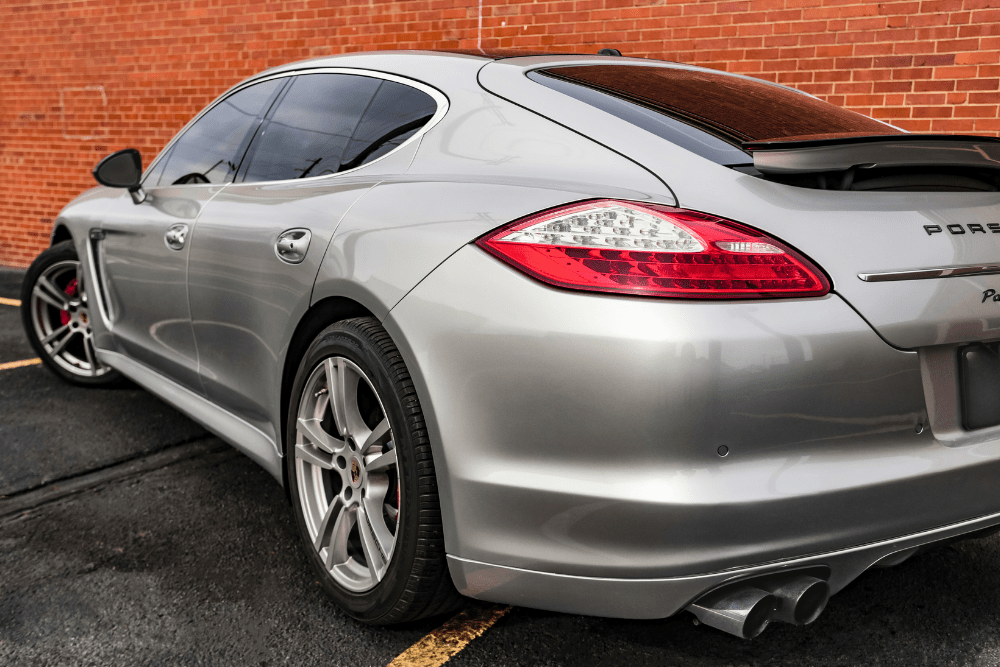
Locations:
column 346, row 339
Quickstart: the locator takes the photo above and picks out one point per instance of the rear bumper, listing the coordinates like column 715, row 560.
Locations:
column 578, row 435
column 659, row 598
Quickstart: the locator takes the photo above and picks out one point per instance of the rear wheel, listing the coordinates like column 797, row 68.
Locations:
column 57, row 319
column 362, row 478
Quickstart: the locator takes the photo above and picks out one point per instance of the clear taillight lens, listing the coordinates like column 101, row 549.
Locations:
column 653, row 250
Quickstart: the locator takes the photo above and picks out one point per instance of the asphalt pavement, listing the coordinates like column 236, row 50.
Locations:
column 50, row 430
column 129, row 536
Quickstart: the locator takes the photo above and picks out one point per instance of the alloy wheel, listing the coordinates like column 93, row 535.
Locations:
column 61, row 320
column 347, row 474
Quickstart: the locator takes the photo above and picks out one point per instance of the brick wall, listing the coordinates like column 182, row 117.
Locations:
column 81, row 78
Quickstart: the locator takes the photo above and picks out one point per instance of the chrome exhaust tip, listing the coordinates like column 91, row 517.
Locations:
column 799, row 600
column 743, row 611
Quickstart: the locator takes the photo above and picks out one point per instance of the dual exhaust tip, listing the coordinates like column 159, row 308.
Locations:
column 745, row 609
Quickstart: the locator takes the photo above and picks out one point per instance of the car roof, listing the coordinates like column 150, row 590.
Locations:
column 475, row 57
column 419, row 64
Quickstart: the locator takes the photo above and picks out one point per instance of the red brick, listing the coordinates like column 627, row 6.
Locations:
column 977, row 57
column 970, row 111
column 913, row 125
column 895, row 61
column 952, row 124
column 956, row 72
column 893, row 86
column 977, row 84
column 928, row 85
column 932, row 112
column 984, row 98
column 934, row 60
column 891, row 112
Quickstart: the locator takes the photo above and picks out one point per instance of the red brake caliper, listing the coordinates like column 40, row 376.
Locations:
column 71, row 292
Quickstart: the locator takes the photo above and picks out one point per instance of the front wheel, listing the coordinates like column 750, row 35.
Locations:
column 362, row 478
column 57, row 318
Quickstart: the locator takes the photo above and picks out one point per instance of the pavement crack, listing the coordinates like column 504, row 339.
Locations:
column 90, row 471
column 17, row 504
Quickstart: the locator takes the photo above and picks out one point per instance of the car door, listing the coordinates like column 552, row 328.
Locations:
column 331, row 136
column 143, row 248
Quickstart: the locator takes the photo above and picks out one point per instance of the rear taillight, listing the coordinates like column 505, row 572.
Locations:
column 653, row 250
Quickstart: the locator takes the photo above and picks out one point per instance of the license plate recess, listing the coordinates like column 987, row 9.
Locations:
column 979, row 371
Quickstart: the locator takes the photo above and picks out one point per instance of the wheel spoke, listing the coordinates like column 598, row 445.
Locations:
column 330, row 519
column 50, row 294
column 383, row 462
column 379, row 435
column 55, row 334
column 373, row 509
column 312, row 431
column 88, row 348
column 371, row 545
column 336, row 552
column 62, row 343
column 336, row 382
column 391, row 511
column 314, row 456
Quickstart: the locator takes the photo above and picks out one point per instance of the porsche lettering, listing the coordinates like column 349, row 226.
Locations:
column 956, row 229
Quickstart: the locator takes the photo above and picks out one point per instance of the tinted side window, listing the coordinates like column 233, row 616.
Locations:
column 328, row 123
column 210, row 150
column 310, row 129
column 395, row 114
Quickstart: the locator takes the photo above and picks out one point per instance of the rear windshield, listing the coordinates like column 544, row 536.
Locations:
column 705, row 106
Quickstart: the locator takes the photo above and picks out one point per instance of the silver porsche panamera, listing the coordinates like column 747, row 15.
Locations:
column 591, row 334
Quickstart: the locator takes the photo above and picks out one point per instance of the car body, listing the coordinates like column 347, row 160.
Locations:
column 595, row 452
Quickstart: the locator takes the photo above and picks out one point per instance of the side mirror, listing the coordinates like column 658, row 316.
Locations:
column 122, row 170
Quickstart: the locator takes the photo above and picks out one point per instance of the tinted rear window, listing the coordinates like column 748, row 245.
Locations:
column 731, row 108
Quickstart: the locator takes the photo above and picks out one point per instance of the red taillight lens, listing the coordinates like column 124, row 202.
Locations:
column 653, row 250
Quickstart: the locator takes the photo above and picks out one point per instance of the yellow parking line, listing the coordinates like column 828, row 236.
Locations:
column 436, row 648
column 9, row 302
column 18, row 364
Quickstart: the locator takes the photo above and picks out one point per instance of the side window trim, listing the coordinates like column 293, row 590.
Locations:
column 247, row 143
column 440, row 99
column 252, row 146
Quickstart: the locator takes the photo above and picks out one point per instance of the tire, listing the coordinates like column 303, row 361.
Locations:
column 56, row 318
column 362, row 482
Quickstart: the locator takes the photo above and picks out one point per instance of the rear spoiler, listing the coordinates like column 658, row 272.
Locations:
column 895, row 150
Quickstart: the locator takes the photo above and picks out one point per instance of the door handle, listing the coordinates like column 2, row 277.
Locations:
column 291, row 246
column 176, row 236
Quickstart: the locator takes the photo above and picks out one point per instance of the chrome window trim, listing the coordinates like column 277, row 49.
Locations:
column 439, row 98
